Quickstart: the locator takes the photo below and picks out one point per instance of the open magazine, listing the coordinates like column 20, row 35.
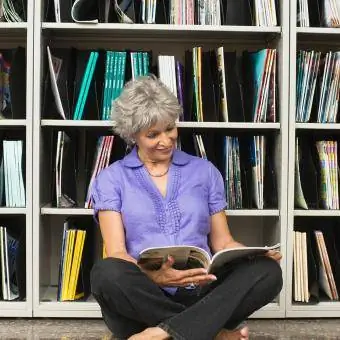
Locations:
column 188, row 257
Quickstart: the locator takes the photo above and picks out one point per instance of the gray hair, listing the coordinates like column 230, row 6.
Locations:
column 143, row 103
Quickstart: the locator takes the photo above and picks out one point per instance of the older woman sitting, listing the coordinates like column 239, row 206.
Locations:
column 160, row 196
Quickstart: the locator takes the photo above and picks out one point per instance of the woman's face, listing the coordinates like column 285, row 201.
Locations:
column 157, row 142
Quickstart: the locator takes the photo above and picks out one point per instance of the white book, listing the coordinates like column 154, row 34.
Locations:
column 57, row 11
column 54, row 85
column 221, row 71
column 57, row 168
column 3, row 269
column 8, row 181
column 6, row 265
column 20, row 174
column 76, row 8
column 173, row 75
column 295, row 259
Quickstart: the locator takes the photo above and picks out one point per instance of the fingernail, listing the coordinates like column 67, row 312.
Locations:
column 214, row 278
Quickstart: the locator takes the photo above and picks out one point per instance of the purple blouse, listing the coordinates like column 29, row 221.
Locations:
column 195, row 191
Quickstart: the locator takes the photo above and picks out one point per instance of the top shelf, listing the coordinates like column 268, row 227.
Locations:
column 318, row 34
column 10, row 30
column 5, row 26
column 317, row 30
column 145, row 31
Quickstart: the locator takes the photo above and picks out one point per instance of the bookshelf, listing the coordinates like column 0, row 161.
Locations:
column 12, row 36
column 308, row 38
column 251, row 226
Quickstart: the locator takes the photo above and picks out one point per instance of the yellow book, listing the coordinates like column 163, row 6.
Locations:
column 65, row 261
column 82, row 293
column 66, row 278
column 77, row 263
column 73, row 269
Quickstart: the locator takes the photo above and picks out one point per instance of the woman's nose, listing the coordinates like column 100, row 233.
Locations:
column 166, row 140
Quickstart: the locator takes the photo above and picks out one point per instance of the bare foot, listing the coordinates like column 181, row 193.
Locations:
column 240, row 334
column 152, row 333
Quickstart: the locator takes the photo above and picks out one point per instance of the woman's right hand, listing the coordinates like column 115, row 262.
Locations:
column 167, row 276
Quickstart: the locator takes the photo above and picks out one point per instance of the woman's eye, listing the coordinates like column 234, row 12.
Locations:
column 151, row 136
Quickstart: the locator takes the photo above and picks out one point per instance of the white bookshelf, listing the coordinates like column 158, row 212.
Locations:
column 49, row 210
column 249, row 225
column 197, row 125
column 323, row 39
column 146, row 31
column 13, row 35
column 13, row 123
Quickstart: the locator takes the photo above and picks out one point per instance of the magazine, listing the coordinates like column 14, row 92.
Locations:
column 189, row 257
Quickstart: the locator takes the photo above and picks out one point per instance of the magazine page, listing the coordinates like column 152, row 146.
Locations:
column 185, row 257
column 225, row 256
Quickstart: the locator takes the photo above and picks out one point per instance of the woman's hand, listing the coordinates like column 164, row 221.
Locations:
column 167, row 276
column 274, row 254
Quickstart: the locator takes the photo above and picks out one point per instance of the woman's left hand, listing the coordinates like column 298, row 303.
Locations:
column 274, row 254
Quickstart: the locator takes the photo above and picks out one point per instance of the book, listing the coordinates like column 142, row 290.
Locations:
column 189, row 257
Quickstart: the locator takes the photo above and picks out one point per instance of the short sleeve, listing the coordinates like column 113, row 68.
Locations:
column 106, row 192
column 217, row 199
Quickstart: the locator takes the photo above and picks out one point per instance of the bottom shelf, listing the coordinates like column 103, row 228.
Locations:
column 15, row 309
column 326, row 309
column 48, row 307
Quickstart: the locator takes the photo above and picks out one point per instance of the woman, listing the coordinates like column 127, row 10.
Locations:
column 159, row 196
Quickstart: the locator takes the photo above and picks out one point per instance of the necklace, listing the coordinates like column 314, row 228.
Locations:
column 157, row 175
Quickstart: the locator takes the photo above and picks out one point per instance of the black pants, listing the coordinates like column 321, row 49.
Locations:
column 131, row 302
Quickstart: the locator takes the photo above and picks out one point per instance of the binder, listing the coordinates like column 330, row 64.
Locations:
column 86, row 100
column 270, row 191
column 67, row 170
column 15, row 61
column 85, row 85
column 237, row 12
column 65, row 11
column 314, row 10
column 208, row 83
column 189, row 102
column 308, row 174
column 233, row 75
column 18, row 270
column 85, row 11
column 65, row 84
